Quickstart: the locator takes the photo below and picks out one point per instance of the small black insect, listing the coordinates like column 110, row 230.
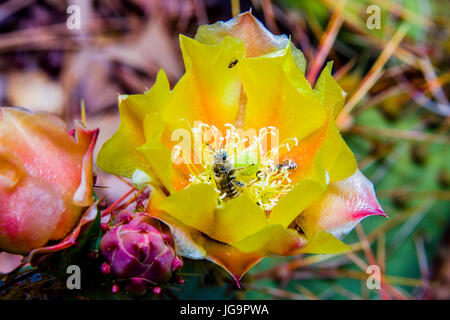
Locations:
column 233, row 63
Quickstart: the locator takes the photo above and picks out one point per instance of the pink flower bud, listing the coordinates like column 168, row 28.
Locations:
column 115, row 288
column 157, row 290
column 106, row 269
column 140, row 251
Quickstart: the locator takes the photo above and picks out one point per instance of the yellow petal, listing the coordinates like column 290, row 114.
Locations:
column 210, row 89
column 274, row 239
column 304, row 155
column 239, row 218
column 235, row 262
column 276, row 90
column 324, row 243
column 299, row 198
column 119, row 155
column 196, row 208
column 187, row 240
column 335, row 156
column 275, row 98
column 324, row 147
column 332, row 95
column 193, row 206
column 324, row 150
column 294, row 66
column 156, row 153
column 299, row 61
column 193, row 244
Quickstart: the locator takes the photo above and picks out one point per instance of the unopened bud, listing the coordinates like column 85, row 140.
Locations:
column 106, row 268
column 115, row 288
column 157, row 290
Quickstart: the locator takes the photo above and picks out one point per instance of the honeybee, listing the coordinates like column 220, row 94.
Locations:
column 288, row 164
column 225, row 175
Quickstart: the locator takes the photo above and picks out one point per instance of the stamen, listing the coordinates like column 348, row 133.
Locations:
column 262, row 178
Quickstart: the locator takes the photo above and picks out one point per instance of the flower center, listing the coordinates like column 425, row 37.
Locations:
column 243, row 163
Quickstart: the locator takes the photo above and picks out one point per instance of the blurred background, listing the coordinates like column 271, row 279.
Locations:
column 395, row 70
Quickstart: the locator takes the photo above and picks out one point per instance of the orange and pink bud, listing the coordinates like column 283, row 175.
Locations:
column 46, row 178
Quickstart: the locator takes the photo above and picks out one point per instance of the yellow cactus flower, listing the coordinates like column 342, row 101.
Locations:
column 243, row 156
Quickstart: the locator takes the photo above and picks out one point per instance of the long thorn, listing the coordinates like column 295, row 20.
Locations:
column 326, row 42
column 375, row 72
